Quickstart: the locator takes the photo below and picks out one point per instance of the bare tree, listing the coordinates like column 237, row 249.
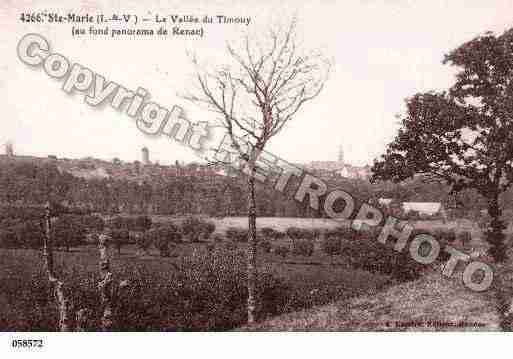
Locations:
column 254, row 95
column 61, row 297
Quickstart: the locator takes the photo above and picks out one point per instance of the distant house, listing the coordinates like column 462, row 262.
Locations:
column 385, row 202
column 425, row 208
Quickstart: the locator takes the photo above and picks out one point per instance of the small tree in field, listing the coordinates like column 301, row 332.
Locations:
column 165, row 236
column 68, row 231
column 332, row 245
column 119, row 237
column 144, row 242
column 463, row 136
column 255, row 94
column 195, row 229
column 142, row 223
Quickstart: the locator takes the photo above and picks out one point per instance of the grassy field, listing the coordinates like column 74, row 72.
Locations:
column 26, row 302
column 431, row 303
column 200, row 287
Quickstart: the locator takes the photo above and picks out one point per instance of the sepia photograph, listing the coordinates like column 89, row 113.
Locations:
column 277, row 174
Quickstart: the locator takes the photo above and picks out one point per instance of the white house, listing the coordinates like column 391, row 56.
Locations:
column 424, row 208
column 385, row 202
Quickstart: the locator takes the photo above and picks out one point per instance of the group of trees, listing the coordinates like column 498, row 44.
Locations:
column 68, row 230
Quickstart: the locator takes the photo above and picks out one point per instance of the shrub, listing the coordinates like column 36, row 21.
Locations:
column 93, row 223
column 268, row 232
column 144, row 241
column 282, row 251
column 266, row 245
column 163, row 236
column 332, row 245
column 348, row 233
column 117, row 223
column 211, row 247
column 7, row 238
column 446, row 236
column 271, row 233
column 465, row 238
column 141, row 223
column 302, row 233
column 237, row 234
column 366, row 232
column 230, row 246
column 218, row 238
column 29, row 234
column 68, row 231
column 17, row 233
column 375, row 257
column 119, row 237
column 303, row 248
column 195, row 229
column 208, row 229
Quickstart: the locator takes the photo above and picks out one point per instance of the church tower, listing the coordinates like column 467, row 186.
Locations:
column 145, row 156
column 9, row 150
column 341, row 155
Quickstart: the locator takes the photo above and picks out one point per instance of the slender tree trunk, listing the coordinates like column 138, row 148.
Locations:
column 252, row 249
column 63, row 305
column 494, row 234
column 106, row 285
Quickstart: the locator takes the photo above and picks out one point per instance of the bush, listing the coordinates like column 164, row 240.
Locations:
column 7, row 238
column 230, row 246
column 332, row 245
column 375, row 257
column 29, row 234
column 68, row 231
column 302, row 233
column 211, row 248
column 163, row 236
column 303, row 248
column 142, row 223
column 218, row 238
column 465, row 238
column 16, row 233
column 93, row 223
column 144, row 241
column 446, row 236
column 208, row 229
column 265, row 245
column 195, row 229
column 119, row 237
column 348, row 233
column 139, row 224
column 282, row 251
column 237, row 234
column 267, row 232
column 271, row 233
column 118, row 223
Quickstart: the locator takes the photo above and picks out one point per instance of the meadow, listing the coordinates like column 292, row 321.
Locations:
column 200, row 287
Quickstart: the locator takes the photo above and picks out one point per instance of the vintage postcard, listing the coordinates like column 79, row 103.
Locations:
column 255, row 166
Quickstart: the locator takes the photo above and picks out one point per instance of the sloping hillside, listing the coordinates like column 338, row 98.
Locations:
column 431, row 303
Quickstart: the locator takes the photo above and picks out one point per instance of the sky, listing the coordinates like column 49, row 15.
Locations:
column 382, row 51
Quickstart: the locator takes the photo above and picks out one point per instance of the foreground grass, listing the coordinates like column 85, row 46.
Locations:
column 431, row 303
column 196, row 289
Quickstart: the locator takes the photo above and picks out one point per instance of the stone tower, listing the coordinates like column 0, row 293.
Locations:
column 9, row 150
column 145, row 156
column 341, row 155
